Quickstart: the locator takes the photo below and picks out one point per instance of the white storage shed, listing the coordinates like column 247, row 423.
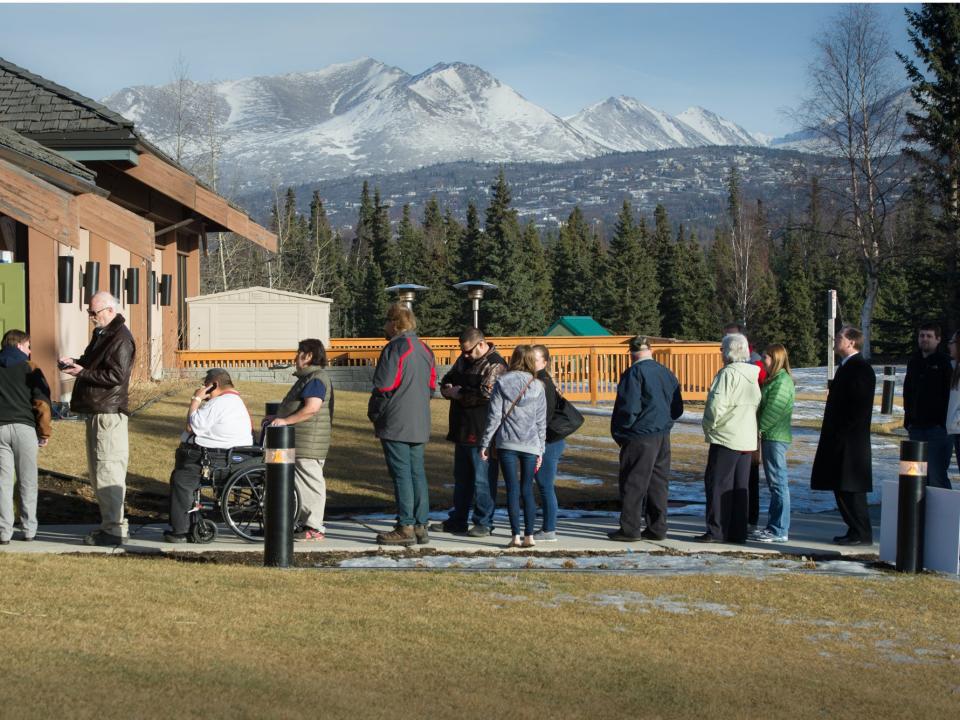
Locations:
column 256, row 318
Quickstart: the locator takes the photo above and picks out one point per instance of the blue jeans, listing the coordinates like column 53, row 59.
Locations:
column 774, row 455
column 955, row 440
column 474, row 483
column 545, row 478
column 405, row 464
column 938, row 454
column 510, row 462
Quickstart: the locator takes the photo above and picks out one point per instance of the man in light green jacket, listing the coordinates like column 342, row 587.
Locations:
column 730, row 426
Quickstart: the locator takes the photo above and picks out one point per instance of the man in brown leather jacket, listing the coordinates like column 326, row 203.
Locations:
column 103, row 380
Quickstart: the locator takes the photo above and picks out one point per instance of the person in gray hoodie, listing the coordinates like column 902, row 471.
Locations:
column 517, row 428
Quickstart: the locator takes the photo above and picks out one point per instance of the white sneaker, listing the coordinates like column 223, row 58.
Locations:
column 765, row 536
column 545, row 536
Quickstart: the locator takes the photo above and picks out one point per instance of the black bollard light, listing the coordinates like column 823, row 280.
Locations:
column 911, row 505
column 278, row 514
column 889, row 384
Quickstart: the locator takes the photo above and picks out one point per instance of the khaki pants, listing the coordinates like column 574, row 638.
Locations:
column 107, row 453
column 308, row 476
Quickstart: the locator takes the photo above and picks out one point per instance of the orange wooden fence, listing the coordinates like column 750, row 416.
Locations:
column 584, row 368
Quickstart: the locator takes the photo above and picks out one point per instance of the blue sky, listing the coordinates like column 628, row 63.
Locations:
column 746, row 62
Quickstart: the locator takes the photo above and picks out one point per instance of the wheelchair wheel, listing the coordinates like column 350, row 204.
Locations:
column 203, row 531
column 242, row 502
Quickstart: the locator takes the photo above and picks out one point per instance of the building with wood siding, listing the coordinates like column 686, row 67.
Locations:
column 78, row 181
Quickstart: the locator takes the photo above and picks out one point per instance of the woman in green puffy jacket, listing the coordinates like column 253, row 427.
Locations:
column 773, row 419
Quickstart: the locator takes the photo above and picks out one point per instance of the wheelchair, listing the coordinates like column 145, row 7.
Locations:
column 236, row 491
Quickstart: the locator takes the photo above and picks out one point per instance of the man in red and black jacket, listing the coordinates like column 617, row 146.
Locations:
column 399, row 409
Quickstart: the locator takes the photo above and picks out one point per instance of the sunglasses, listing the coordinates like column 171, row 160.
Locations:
column 94, row 313
column 470, row 351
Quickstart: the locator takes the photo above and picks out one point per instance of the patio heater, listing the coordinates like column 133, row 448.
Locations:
column 475, row 290
column 406, row 292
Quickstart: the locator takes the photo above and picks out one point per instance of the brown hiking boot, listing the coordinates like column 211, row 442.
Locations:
column 400, row 535
column 422, row 535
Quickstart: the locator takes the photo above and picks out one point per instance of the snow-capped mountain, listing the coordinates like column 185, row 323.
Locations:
column 364, row 117
column 626, row 125
column 715, row 129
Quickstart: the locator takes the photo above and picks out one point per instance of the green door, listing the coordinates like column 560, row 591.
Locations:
column 13, row 298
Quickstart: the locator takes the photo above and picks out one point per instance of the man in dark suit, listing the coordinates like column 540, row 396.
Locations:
column 843, row 460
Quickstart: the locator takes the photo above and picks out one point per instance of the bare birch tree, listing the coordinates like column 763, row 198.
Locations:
column 855, row 112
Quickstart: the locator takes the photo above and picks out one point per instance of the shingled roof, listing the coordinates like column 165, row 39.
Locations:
column 33, row 150
column 35, row 106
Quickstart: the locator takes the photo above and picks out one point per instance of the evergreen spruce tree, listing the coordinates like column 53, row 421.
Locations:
column 536, row 306
column 797, row 303
column 935, row 35
column 471, row 246
column 438, row 307
column 372, row 307
column 363, row 238
column 573, row 273
column 631, row 292
column 720, row 264
column 498, row 262
column 763, row 310
column 663, row 249
column 410, row 253
column 382, row 251
column 693, row 292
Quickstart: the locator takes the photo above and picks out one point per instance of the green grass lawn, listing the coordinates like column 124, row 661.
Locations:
column 114, row 637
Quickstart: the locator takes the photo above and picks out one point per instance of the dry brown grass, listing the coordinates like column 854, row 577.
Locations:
column 111, row 637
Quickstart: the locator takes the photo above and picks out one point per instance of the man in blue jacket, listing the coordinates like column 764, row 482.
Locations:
column 648, row 401
column 399, row 409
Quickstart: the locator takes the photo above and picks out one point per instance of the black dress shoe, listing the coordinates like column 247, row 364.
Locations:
column 619, row 536
column 172, row 537
column 649, row 535
column 706, row 538
column 448, row 528
column 852, row 541
column 840, row 538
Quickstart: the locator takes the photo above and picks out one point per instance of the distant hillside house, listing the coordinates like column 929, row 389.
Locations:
column 81, row 190
column 579, row 325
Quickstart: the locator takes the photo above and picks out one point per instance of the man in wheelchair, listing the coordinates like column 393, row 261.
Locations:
column 217, row 420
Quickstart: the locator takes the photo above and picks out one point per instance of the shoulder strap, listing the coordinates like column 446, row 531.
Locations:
column 516, row 400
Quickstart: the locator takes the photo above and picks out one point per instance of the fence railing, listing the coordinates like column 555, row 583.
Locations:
column 584, row 368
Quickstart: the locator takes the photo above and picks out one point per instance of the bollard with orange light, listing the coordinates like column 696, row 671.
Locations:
column 279, row 454
column 911, row 505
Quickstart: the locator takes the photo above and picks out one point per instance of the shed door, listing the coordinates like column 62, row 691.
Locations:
column 13, row 297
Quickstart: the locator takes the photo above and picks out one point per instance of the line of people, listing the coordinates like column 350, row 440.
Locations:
column 504, row 417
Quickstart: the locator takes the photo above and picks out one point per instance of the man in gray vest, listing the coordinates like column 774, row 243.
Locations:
column 303, row 407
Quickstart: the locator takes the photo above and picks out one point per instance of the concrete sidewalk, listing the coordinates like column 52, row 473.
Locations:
column 810, row 535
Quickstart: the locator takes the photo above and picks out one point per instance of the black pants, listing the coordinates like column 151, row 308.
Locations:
column 853, row 510
column 185, row 479
column 754, row 490
column 644, row 472
column 726, row 481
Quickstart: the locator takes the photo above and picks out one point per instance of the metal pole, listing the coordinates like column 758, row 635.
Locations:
column 476, row 312
column 889, row 384
column 831, row 332
column 911, row 505
column 278, row 513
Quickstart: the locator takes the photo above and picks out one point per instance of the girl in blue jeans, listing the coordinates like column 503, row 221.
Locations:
column 774, row 417
column 547, row 474
column 517, row 427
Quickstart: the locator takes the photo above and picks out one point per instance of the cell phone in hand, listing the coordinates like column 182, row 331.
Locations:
column 64, row 365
